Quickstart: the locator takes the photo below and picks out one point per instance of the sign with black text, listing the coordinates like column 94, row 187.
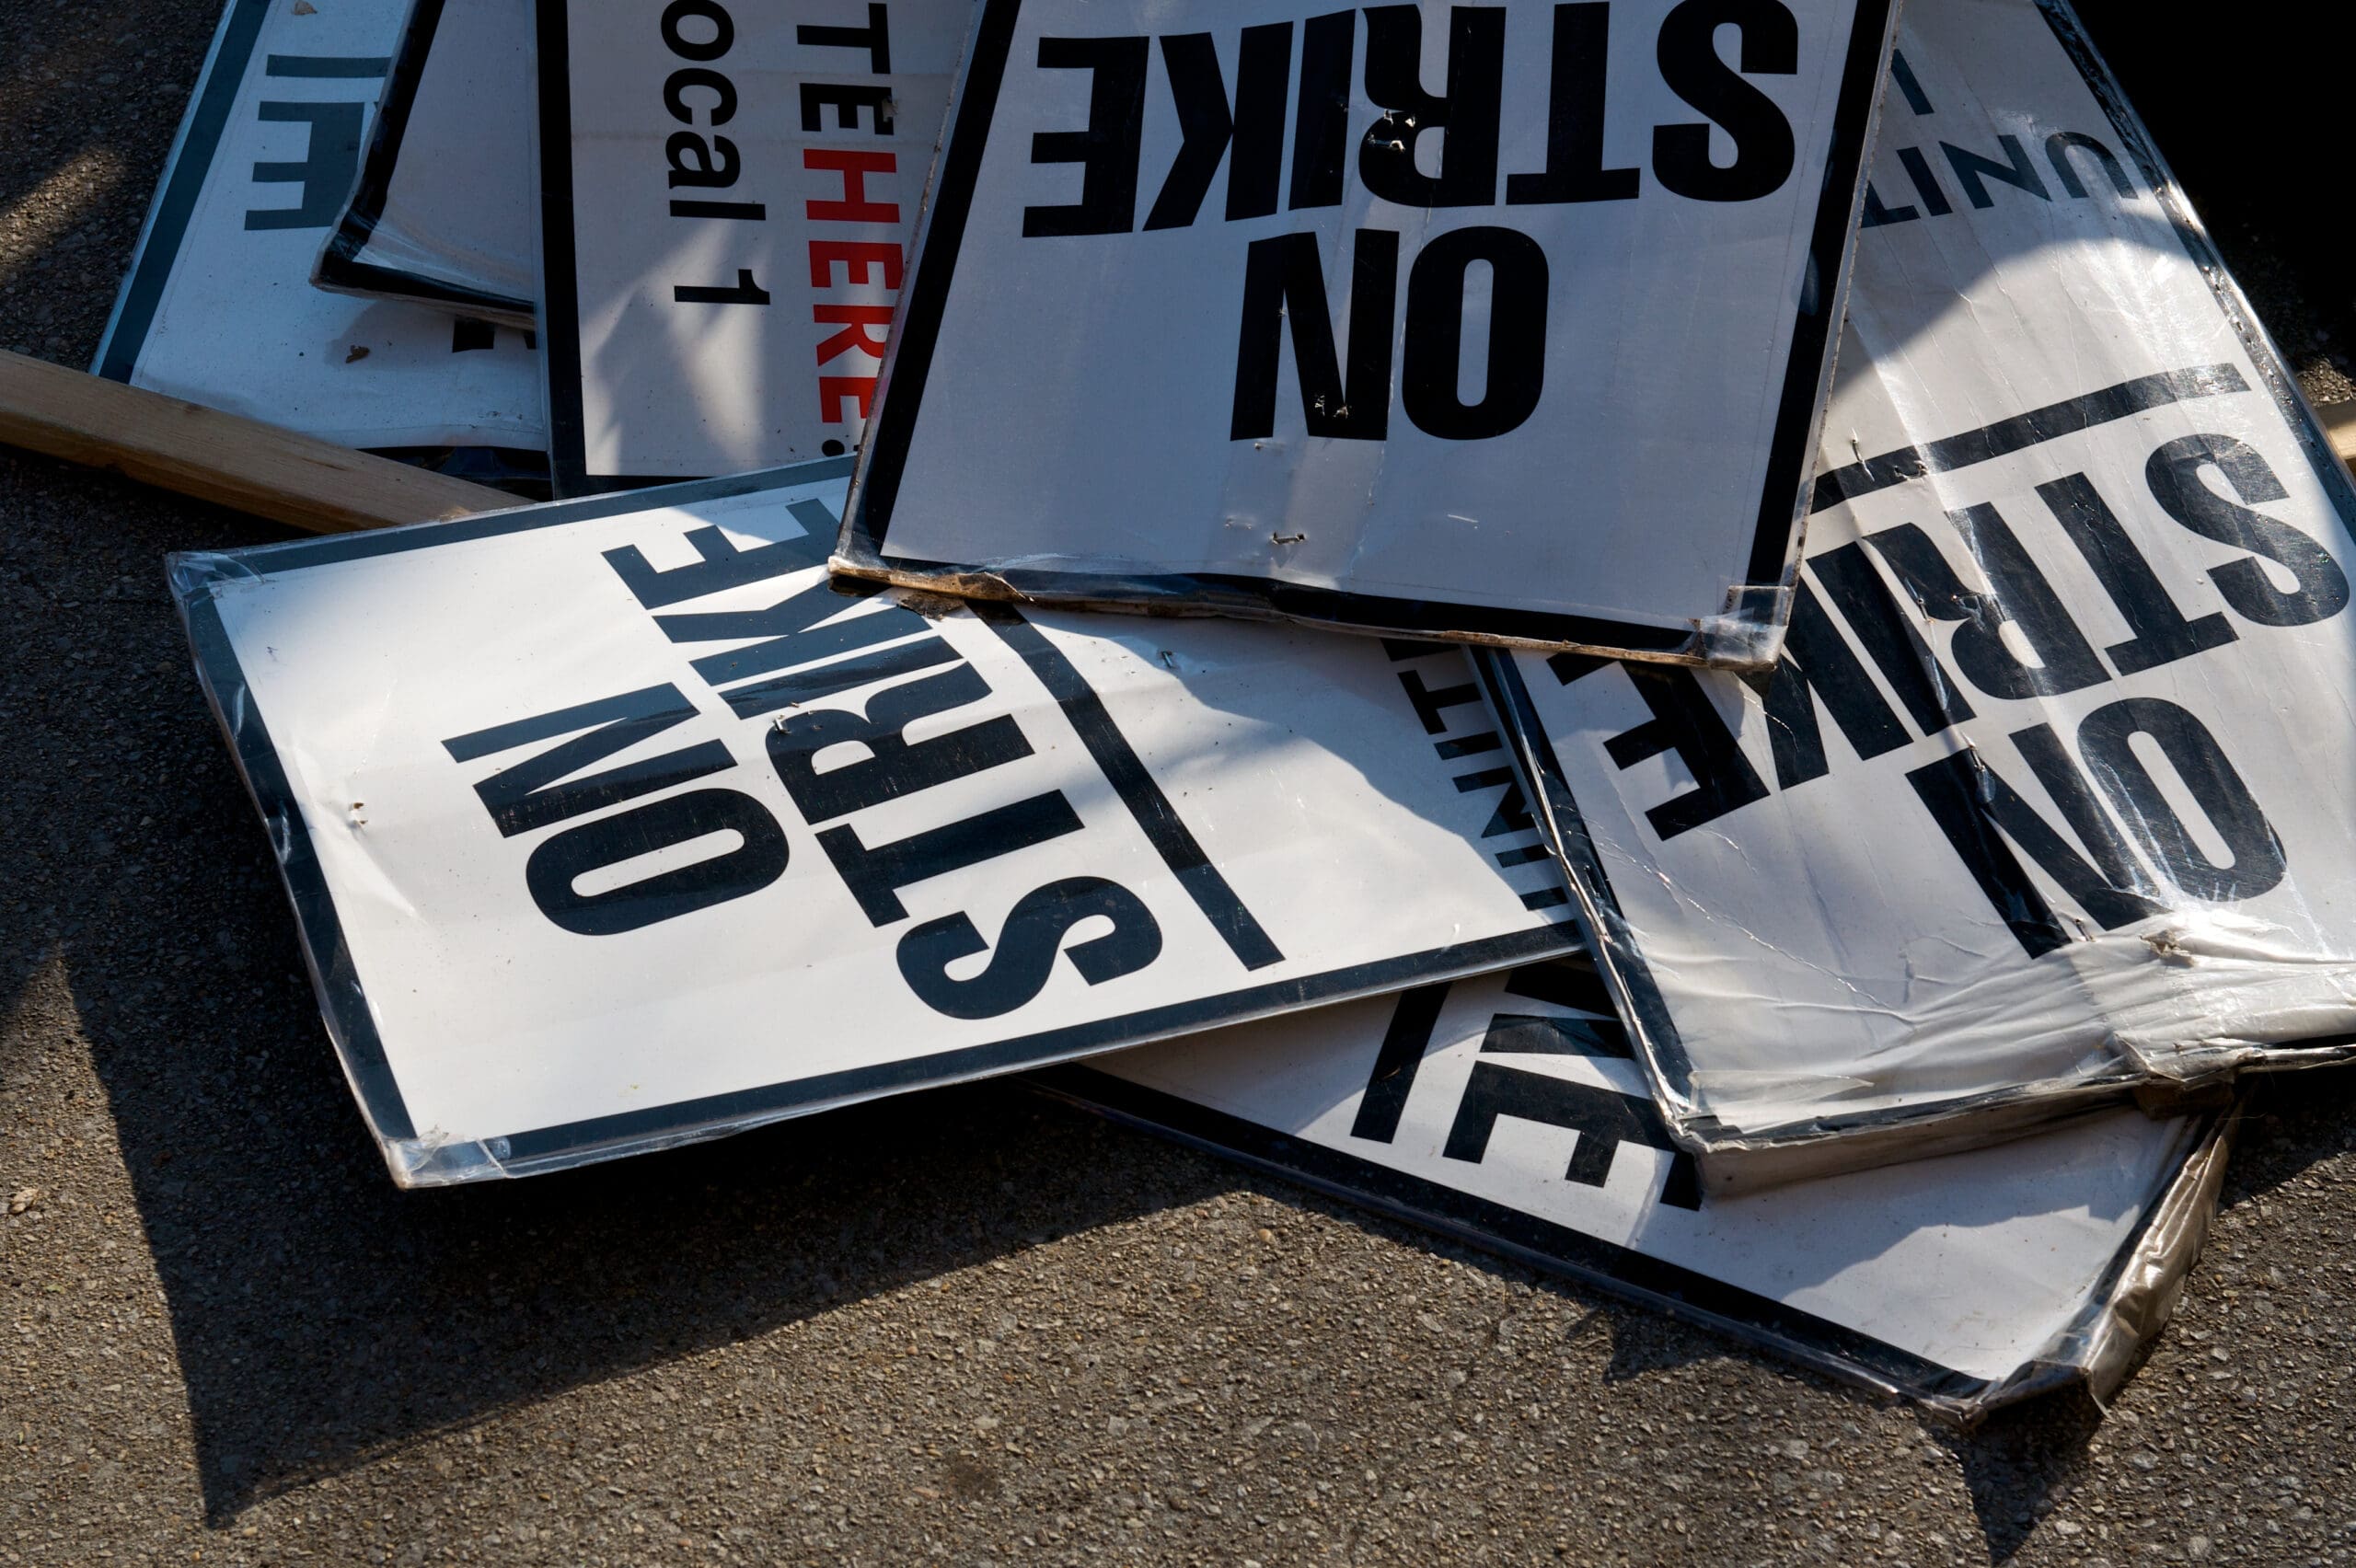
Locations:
column 2052, row 789
column 1505, row 1111
column 611, row 824
column 727, row 195
column 218, row 307
column 1504, row 322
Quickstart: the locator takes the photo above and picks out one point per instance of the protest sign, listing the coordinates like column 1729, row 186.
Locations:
column 1496, row 322
column 442, row 213
column 2053, row 792
column 726, row 199
column 610, row 824
column 1505, row 1111
column 218, row 307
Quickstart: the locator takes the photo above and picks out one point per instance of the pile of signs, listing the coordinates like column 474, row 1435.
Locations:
column 1810, row 851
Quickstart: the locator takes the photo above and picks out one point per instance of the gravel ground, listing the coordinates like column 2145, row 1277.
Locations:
column 965, row 1325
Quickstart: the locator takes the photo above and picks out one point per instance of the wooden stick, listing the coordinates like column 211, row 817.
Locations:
column 2340, row 423
column 296, row 479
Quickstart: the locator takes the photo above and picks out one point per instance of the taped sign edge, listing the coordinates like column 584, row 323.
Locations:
column 341, row 267
column 2130, row 1304
column 418, row 1160
column 1746, row 633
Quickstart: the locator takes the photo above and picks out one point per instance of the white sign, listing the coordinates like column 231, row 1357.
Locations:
column 1505, row 1111
column 218, row 307
column 442, row 214
column 727, row 197
column 2053, row 789
column 1498, row 321
column 612, row 825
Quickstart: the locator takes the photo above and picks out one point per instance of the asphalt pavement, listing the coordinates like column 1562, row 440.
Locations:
column 968, row 1326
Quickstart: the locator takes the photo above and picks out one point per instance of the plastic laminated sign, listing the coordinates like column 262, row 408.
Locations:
column 1505, row 1111
column 1494, row 322
column 442, row 212
column 727, row 193
column 610, row 824
column 2053, row 792
column 218, row 307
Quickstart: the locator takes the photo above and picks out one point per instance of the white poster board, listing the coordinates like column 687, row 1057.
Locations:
column 1505, row 1111
column 610, row 824
column 218, row 307
column 442, row 213
column 2054, row 792
column 727, row 193
column 1501, row 322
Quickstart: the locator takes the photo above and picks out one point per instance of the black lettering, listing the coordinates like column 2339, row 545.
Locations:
column 677, row 15
column 722, row 90
column 701, row 170
column 893, row 766
column 1891, row 639
column 812, row 624
column 331, row 160
column 1531, row 1034
column 530, row 794
column 1574, row 170
column 1973, row 172
column 1254, row 128
column 1468, row 111
column 743, row 291
column 1026, row 952
column 2162, row 634
column 1284, row 280
column 1977, row 811
column 1926, row 184
column 1568, row 982
column 876, row 875
column 1603, row 1119
column 1875, row 214
column 1686, row 722
column 1320, row 132
column 845, row 101
column 2020, row 596
column 1396, row 1063
column 1690, row 65
column 759, row 860
column 1515, row 371
column 875, row 37
column 2174, row 474
column 2057, row 153
column 2062, row 780
column 1817, row 665
column 1902, row 76
column 2258, row 863
column 1107, row 150
column 722, row 566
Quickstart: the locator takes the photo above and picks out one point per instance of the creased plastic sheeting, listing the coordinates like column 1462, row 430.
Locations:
column 441, row 213
column 2053, row 793
column 727, row 195
column 1550, row 377
column 1504, row 1111
column 611, row 825
column 218, row 307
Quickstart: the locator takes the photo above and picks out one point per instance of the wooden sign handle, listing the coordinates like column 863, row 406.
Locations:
column 296, row 479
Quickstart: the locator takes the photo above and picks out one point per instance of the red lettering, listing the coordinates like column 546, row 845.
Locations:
column 860, row 257
column 855, row 335
column 833, row 389
column 854, row 208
